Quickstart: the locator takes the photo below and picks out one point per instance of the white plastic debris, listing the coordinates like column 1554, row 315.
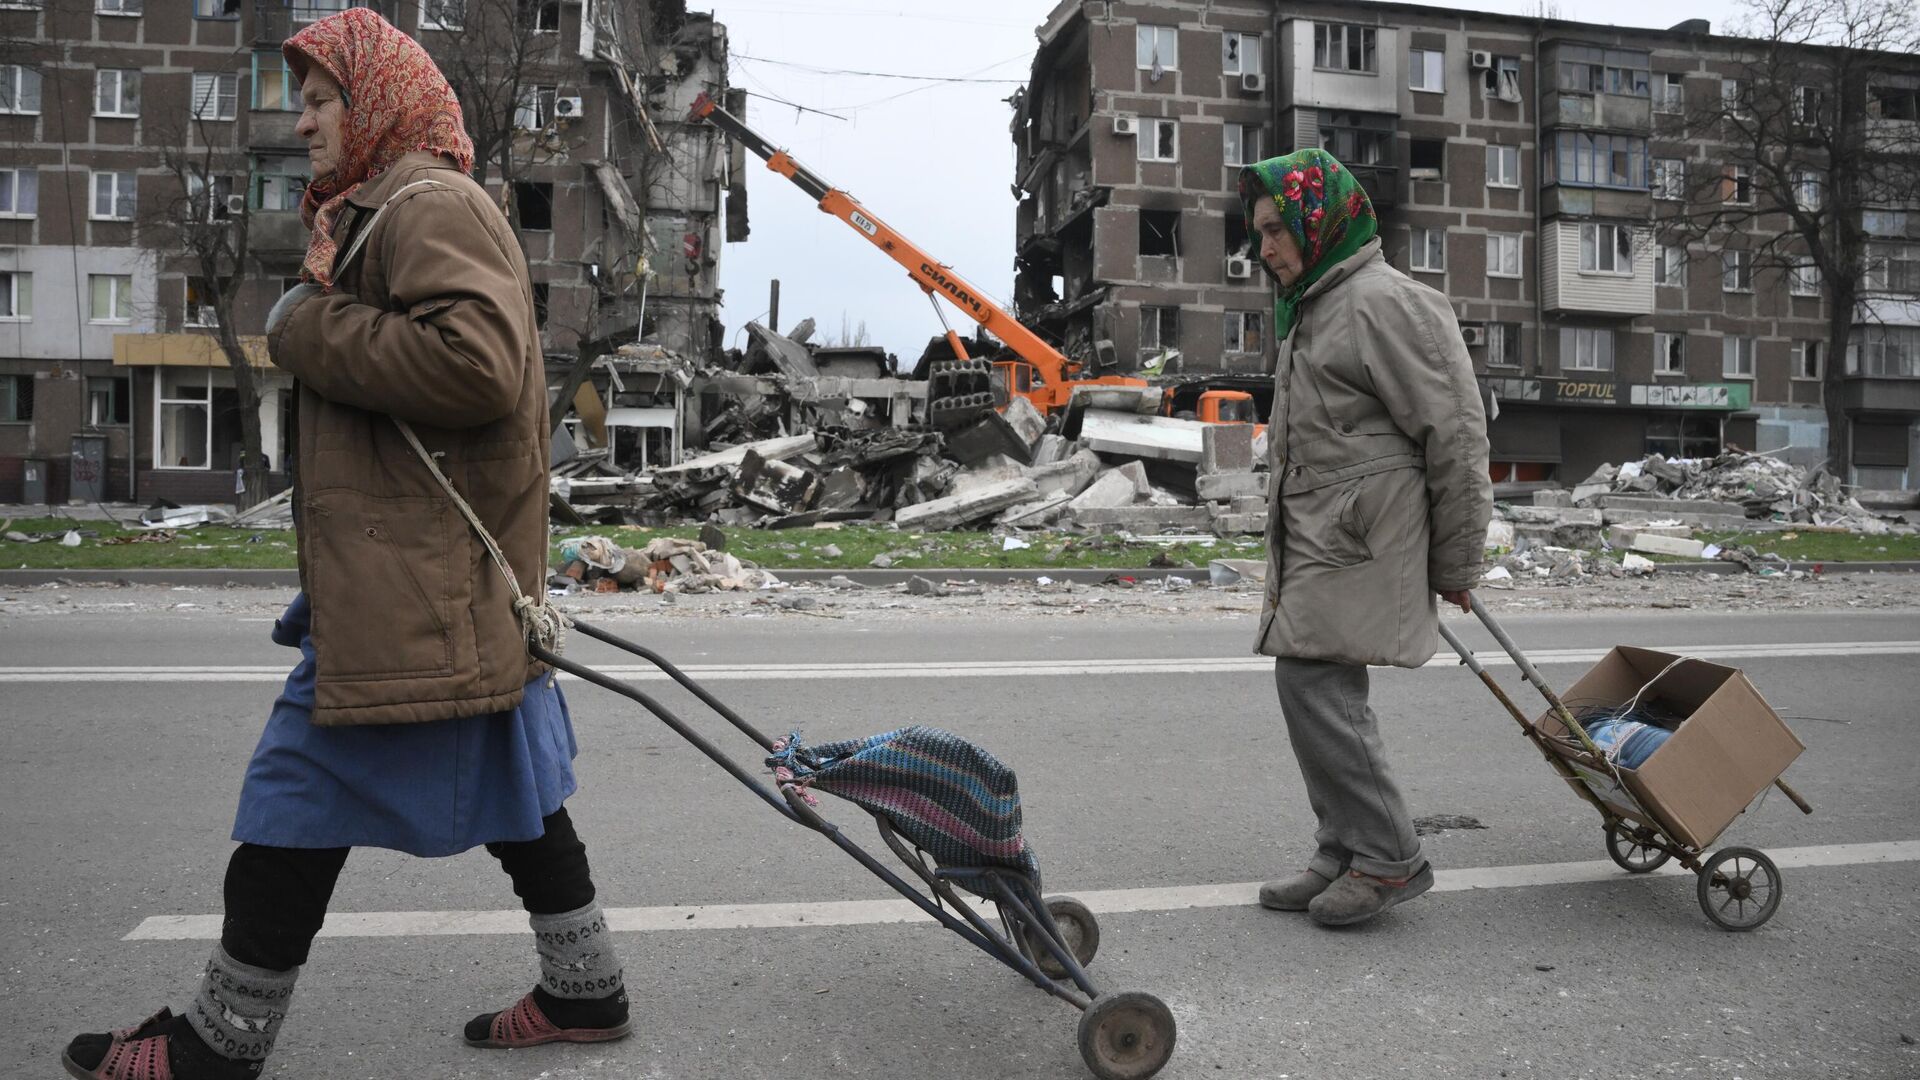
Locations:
column 1711, row 551
column 1013, row 543
column 1498, row 573
column 72, row 539
column 1637, row 565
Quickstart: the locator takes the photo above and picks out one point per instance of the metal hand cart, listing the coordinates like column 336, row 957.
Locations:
column 1048, row 939
column 1739, row 888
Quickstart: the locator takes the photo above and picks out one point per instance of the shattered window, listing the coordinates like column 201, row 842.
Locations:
column 1806, row 360
column 1159, row 329
column 1243, row 332
column 1159, row 140
column 1160, row 232
column 1669, row 354
column 1156, row 48
column 533, row 204
column 1345, row 48
column 1239, row 53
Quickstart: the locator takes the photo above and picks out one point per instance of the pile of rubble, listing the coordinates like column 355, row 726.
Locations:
column 826, row 435
column 664, row 565
column 1673, row 507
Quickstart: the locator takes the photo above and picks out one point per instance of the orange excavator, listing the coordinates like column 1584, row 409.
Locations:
column 1041, row 374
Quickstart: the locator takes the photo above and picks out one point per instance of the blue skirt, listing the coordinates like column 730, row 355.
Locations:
column 437, row 788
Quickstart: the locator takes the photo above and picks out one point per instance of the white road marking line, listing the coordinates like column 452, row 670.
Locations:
column 878, row 912
column 970, row 669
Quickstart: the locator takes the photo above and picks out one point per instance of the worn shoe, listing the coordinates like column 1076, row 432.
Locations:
column 1293, row 893
column 161, row 1047
column 527, row 1023
column 1357, row 897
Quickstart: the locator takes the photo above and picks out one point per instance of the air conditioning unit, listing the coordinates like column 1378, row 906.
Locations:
column 236, row 204
column 1126, row 125
column 1253, row 83
column 1473, row 333
column 568, row 108
column 1239, row 268
column 1481, row 59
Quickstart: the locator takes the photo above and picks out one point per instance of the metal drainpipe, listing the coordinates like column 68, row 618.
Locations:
column 1539, row 168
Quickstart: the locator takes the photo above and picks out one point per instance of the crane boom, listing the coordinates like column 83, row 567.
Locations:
column 1056, row 374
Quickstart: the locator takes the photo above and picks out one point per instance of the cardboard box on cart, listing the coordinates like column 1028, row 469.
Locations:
column 1729, row 747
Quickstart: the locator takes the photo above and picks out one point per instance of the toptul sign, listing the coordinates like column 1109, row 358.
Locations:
column 1732, row 397
column 952, row 289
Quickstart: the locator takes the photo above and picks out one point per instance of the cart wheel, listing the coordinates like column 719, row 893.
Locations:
column 1079, row 931
column 1632, row 852
column 1739, row 888
column 1126, row 1036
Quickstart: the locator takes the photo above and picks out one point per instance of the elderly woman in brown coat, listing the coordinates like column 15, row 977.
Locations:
column 1379, row 500
column 415, row 720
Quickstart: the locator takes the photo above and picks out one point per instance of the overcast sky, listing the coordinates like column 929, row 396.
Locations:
column 932, row 159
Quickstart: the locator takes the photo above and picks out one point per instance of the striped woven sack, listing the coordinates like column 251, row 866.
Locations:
column 952, row 799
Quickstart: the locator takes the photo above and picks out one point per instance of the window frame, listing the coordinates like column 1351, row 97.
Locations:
column 1149, row 139
column 435, row 22
column 195, row 316
column 11, row 411
column 1507, row 354
column 1732, row 176
column 1160, row 314
column 1797, row 360
column 120, row 297
column 1144, row 52
column 1420, row 239
column 1235, row 327
column 259, row 177
column 1803, row 279
column 126, row 86
column 161, row 401
column 119, row 393
column 232, row 97
column 220, row 16
column 1731, row 352
column 1666, row 344
column 1242, row 158
column 17, row 90
column 1503, row 154
column 1324, row 52
column 18, row 284
column 1668, row 184
column 1495, row 80
column 1670, row 266
column 100, row 8
column 1497, row 242
column 1434, row 63
column 1584, row 150
column 289, row 89
column 534, row 99
column 1593, row 337
column 1736, row 271
column 1667, row 101
column 1242, row 39
column 14, row 190
column 132, row 196
column 1616, row 233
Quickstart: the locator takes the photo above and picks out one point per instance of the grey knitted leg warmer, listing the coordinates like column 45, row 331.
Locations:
column 240, row 1007
column 577, row 960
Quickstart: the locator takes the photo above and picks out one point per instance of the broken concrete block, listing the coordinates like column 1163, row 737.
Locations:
column 1239, row 524
column 1636, row 565
column 1025, row 419
column 1248, row 504
column 1051, row 448
column 1583, row 493
column 1553, row 497
column 1028, row 515
column 994, row 469
column 1649, row 506
column 919, row 586
column 990, row 435
column 1069, row 477
column 1136, row 471
column 1669, row 545
column 1113, row 488
column 1500, row 535
column 1160, row 438
column 963, row 507
column 1235, row 571
column 1220, row 487
column 1226, row 448
column 1621, row 536
column 1141, row 519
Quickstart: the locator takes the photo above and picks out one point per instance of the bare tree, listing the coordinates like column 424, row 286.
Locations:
column 201, row 227
column 492, row 53
column 1804, row 149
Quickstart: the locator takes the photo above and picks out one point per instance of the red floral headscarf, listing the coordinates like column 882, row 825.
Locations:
column 397, row 102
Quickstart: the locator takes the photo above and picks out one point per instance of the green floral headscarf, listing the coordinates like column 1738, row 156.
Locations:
column 1325, row 209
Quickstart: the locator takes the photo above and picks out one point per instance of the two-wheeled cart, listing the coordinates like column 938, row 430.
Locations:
column 1739, row 888
column 1049, row 940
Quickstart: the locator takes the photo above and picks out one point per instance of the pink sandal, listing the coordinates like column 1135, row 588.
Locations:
column 525, row 1025
column 129, row 1058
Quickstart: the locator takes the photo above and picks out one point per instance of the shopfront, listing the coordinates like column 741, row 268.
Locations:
column 1560, row 430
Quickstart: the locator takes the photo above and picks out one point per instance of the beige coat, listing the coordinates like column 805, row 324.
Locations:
column 433, row 323
column 1380, row 493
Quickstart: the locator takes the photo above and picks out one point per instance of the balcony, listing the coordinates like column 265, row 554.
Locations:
column 1883, row 395
column 1310, row 85
column 1612, row 112
column 275, row 232
column 1380, row 182
column 275, row 22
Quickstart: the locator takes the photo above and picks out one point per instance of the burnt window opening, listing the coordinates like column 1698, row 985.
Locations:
column 533, row 204
column 1426, row 158
column 1160, row 232
column 540, row 16
column 1239, row 240
column 542, row 294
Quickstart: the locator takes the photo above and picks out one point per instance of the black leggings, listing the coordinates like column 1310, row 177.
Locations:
column 277, row 897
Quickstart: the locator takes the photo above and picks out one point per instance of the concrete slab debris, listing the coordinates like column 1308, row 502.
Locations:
column 1158, row 438
column 955, row 510
column 1226, row 448
column 1222, row 487
column 1111, row 489
column 1654, row 544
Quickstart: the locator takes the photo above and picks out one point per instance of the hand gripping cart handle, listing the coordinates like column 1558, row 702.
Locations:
column 1739, row 888
column 1049, row 940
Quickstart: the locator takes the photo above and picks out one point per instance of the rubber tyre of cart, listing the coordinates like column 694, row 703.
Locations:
column 1126, row 1036
column 1079, row 930
column 1629, row 853
column 1739, row 888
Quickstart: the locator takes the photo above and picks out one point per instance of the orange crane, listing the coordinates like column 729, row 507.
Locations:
column 1042, row 375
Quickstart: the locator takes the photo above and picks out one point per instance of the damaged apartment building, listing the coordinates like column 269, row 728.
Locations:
column 112, row 381
column 1522, row 166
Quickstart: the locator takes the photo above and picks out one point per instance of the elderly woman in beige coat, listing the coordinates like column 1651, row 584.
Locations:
column 1379, row 500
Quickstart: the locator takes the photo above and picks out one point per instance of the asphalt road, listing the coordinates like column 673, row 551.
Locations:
column 117, row 794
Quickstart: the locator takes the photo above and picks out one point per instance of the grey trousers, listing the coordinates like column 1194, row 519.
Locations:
column 1363, row 821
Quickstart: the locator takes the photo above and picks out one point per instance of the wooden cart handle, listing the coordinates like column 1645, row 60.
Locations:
column 1788, row 791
